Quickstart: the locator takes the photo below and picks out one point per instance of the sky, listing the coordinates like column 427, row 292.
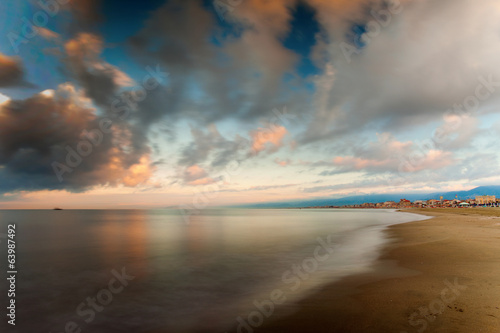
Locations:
column 198, row 103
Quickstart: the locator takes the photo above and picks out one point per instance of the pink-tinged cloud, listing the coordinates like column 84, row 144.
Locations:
column 415, row 161
column 358, row 163
column 270, row 139
column 194, row 172
column 48, row 34
column 195, row 175
column 390, row 155
column 282, row 163
column 85, row 46
column 433, row 160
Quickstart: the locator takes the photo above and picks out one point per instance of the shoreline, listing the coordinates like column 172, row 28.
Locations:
column 436, row 275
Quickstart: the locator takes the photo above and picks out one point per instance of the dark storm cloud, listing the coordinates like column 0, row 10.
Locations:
column 142, row 103
column 47, row 128
column 94, row 75
column 86, row 12
column 239, row 76
column 11, row 72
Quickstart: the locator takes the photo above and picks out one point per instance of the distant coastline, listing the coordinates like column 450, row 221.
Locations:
column 478, row 201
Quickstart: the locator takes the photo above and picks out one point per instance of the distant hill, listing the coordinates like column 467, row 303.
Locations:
column 462, row 195
column 359, row 199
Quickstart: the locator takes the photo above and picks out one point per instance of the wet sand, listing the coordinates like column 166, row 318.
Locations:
column 437, row 275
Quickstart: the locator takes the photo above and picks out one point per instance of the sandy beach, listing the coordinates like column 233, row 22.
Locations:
column 437, row 275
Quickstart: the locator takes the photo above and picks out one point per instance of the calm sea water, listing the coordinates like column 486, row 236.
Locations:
column 175, row 274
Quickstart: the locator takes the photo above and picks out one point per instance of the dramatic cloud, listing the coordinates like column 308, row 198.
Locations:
column 58, row 133
column 241, row 75
column 180, row 79
column 100, row 80
column 405, row 73
column 214, row 150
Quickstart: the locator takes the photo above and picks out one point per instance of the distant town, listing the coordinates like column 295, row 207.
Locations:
column 478, row 201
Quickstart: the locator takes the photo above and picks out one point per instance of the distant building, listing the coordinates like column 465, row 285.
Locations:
column 485, row 199
column 489, row 200
column 419, row 203
column 404, row 203
column 447, row 203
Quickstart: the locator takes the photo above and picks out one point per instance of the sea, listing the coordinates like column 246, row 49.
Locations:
column 168, row 270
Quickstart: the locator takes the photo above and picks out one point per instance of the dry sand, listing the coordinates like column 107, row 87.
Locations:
column 438, row 275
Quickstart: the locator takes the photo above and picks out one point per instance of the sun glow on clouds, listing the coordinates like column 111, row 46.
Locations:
column 194, row 175
column 138, row 173
column 267, row 138
column 4, row 98
column 395, row 80
column 48, row 93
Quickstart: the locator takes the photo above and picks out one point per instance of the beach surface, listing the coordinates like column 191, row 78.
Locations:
column 437, row 275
